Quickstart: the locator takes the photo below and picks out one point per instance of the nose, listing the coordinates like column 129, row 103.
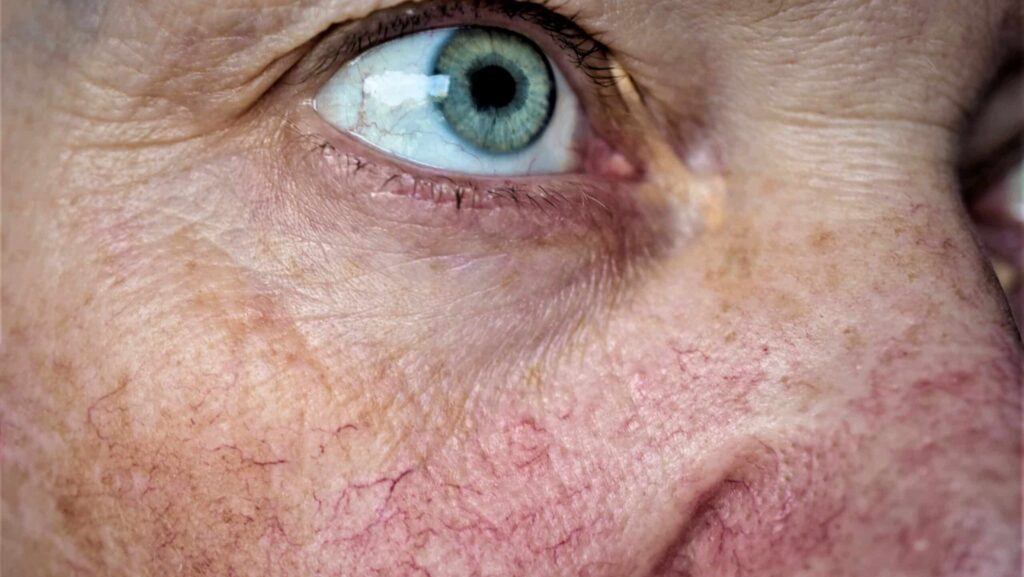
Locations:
column 812, row 352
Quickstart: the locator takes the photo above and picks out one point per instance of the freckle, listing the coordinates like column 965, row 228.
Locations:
column 853, row 339
column 960, row 294
column 16, row 331
column 823, row 241
column 66, row 507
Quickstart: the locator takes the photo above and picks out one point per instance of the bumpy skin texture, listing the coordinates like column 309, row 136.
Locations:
column 216, row 363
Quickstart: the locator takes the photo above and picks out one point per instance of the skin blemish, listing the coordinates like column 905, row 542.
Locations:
column 823, row 241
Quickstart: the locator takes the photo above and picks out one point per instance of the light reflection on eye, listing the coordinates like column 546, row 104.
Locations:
column 472, row 100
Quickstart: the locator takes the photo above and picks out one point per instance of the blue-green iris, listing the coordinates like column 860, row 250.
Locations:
column 501, row 90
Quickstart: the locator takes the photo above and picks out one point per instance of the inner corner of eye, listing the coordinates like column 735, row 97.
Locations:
column 473, row 100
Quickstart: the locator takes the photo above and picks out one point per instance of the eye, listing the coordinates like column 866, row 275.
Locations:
column 473, row 100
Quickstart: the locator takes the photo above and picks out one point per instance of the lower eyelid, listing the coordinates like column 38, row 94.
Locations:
column 351, row 177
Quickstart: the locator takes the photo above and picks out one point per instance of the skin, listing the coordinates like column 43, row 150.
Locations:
column 220, row 358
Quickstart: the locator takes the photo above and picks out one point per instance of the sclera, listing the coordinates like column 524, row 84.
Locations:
column 387, row 98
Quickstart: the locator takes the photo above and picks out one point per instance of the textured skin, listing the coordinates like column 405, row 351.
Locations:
column 222, row 357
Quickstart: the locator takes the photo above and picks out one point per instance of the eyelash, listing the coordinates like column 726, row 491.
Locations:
column 466, row 192
column 571, row 197
column 587, row 54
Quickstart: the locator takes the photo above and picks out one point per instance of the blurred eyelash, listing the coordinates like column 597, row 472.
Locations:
column 585, row 52
column 466, row 193
column 561, row 194
column 588, row 54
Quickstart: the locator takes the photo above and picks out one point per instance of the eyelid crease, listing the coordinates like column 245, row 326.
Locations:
column 586, row 53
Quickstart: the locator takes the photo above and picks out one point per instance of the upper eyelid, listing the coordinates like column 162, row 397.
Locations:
column 346, row 41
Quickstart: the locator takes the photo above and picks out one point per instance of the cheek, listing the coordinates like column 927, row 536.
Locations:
column 240, row 451
column 204, row 424
column 243, row 451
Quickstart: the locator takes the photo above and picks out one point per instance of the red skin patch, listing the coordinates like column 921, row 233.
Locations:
column 664, row 467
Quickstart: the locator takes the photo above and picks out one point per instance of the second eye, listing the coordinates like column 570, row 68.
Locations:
column 472, row 100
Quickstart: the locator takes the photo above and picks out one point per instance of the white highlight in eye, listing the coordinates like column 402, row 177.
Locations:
column 397, row 88
column 386, row 97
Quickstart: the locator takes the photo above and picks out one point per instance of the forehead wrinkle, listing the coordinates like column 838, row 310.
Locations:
column 229, row 32
column 242, row 33
column 170, row 69
column 686, row 54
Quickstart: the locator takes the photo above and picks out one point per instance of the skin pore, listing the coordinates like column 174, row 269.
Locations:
column 232, row 345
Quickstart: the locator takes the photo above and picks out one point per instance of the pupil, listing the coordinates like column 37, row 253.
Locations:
column 492, row 87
